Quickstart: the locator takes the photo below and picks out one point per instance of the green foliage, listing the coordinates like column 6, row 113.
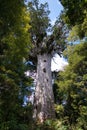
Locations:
column 13, row 125
column 72, row 86
column 50, row 125
column 74, row 11
column 39, row 20
column 60, row 32
column 14, row 48
column 75, row 16
column 16, row 21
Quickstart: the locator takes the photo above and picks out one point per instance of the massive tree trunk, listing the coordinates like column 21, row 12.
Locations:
column 44, row 99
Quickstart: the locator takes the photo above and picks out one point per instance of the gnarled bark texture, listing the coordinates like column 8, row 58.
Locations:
column 44, row 98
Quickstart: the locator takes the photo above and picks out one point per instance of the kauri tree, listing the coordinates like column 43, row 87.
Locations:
column 44, row 46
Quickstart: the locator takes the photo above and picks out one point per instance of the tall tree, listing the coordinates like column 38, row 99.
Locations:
column 14, row 43
column 44, row 46
column 72, row 85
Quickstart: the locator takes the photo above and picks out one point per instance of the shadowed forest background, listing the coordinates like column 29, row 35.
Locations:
column 28, row 42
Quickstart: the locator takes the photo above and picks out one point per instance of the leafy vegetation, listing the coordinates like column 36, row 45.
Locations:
column 21, row 40
column 75, row 16
column 14, row 42
column 72, row 86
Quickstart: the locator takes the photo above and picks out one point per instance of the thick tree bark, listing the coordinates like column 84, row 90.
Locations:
column 44, row 98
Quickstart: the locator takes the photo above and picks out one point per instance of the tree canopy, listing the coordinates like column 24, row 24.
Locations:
column 75, row 15
column 75, row 11
column 26, row 33
column 72, row 86
column 14, row 48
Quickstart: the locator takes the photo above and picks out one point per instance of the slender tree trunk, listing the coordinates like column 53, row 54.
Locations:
column 44, row 99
